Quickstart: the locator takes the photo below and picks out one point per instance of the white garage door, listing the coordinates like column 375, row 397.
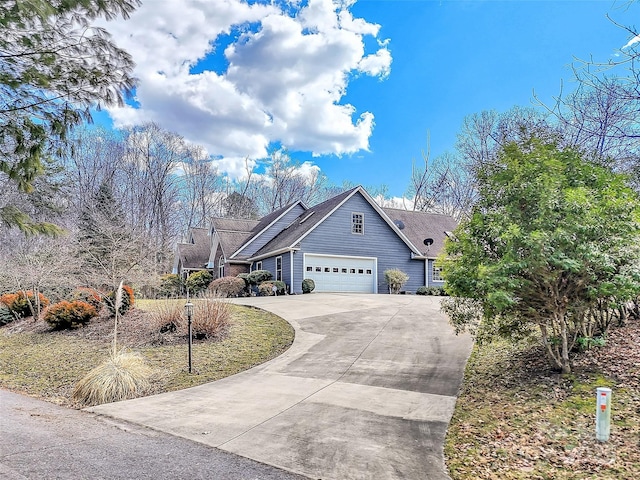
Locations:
column 341, row 274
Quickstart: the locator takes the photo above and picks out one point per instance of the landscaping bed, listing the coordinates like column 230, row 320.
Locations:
column 516, row 419
column 47, row 364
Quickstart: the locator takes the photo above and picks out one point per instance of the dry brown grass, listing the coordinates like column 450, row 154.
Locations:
column 211, row 318
column 122, row 376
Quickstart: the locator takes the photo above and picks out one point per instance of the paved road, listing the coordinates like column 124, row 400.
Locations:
column 365, row 392
column 42, row 441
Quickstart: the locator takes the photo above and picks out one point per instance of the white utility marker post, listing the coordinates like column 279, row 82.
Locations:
column 603, row 413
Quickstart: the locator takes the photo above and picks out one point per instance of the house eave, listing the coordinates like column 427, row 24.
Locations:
column 272, row 253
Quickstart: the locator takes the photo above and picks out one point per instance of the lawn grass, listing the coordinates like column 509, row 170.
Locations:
column 516, row 419
column 48, row 364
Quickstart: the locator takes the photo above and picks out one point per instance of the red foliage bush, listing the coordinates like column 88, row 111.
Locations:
column 88, row 295
column 21, row 302
column 64, row 315
column 128, row 299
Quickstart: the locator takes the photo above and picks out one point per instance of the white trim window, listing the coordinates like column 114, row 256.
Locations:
column 259, row 265
column 436, row 274
column 357, row 223
column 279, row 268
column 221, row 267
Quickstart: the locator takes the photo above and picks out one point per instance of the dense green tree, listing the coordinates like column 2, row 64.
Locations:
column 54, row 67
column 550, row 235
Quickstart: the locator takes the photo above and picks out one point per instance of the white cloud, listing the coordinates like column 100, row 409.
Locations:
column 281, row 79
column 632, row 42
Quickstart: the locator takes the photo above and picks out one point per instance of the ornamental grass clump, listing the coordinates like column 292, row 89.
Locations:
column 211, row 318
column 166, row 316
column 122, row 376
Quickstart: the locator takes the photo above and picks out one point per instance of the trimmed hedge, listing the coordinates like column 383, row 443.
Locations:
column 308, row 285
column 439, row 291
column 6, row 315
column 65, row 315
column 228, row 287
column 258, row 276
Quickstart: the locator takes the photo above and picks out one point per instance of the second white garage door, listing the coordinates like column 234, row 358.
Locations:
column 341, row 274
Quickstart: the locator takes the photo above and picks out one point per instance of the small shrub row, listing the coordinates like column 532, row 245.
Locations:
column 198, row 282
column 439, row 291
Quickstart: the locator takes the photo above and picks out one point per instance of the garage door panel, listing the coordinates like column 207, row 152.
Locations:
column 341, row 274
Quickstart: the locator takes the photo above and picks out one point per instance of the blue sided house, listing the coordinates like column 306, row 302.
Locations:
column 344, row 244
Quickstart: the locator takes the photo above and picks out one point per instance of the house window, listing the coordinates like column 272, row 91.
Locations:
column 327, row 270
column 368, row 272
column 221, row 267
column 437, row 274
column 357, row 223
column 309, row 269
column 335, row 269
column 259, row 265
column 279, row 268
column 344, row 270
column 318, row 269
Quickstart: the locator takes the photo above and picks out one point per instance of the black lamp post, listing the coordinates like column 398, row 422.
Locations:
column 188, row 308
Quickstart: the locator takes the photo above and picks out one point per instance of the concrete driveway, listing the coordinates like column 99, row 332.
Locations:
column 365, row 392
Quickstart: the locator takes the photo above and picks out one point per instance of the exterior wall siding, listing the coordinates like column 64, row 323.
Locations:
column 272, row 231
column 334, row 237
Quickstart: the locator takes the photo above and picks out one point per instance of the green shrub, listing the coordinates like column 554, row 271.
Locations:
column 198, row 282
column 228, row 287
column 88, row 295
column 439, row 291
column 308, row 285
column 282, row 287
column 21, row 303
column 170, row 285
column 6, row 315
column 395, row 278
column 65, row 315
column 128, row 299
column 245, row 277
column 258, row 276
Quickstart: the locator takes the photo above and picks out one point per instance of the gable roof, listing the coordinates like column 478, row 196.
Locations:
column 199, row 235
column 193, row 255
column 419, row 226
column 232, row 233
column 265, row 222
column 314, row 216
column 304, row 224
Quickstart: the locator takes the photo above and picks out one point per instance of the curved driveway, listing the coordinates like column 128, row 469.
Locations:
column 365, row 392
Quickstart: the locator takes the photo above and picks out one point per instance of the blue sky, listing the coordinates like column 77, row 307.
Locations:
column 352, row 88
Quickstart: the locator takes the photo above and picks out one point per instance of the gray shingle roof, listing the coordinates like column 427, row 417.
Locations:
column 301, row 225
column 419, row 226
column 233, row 232
column 193, row 255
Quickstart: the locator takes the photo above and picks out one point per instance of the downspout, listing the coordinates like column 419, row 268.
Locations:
column 291, row 276
column 426, row 272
